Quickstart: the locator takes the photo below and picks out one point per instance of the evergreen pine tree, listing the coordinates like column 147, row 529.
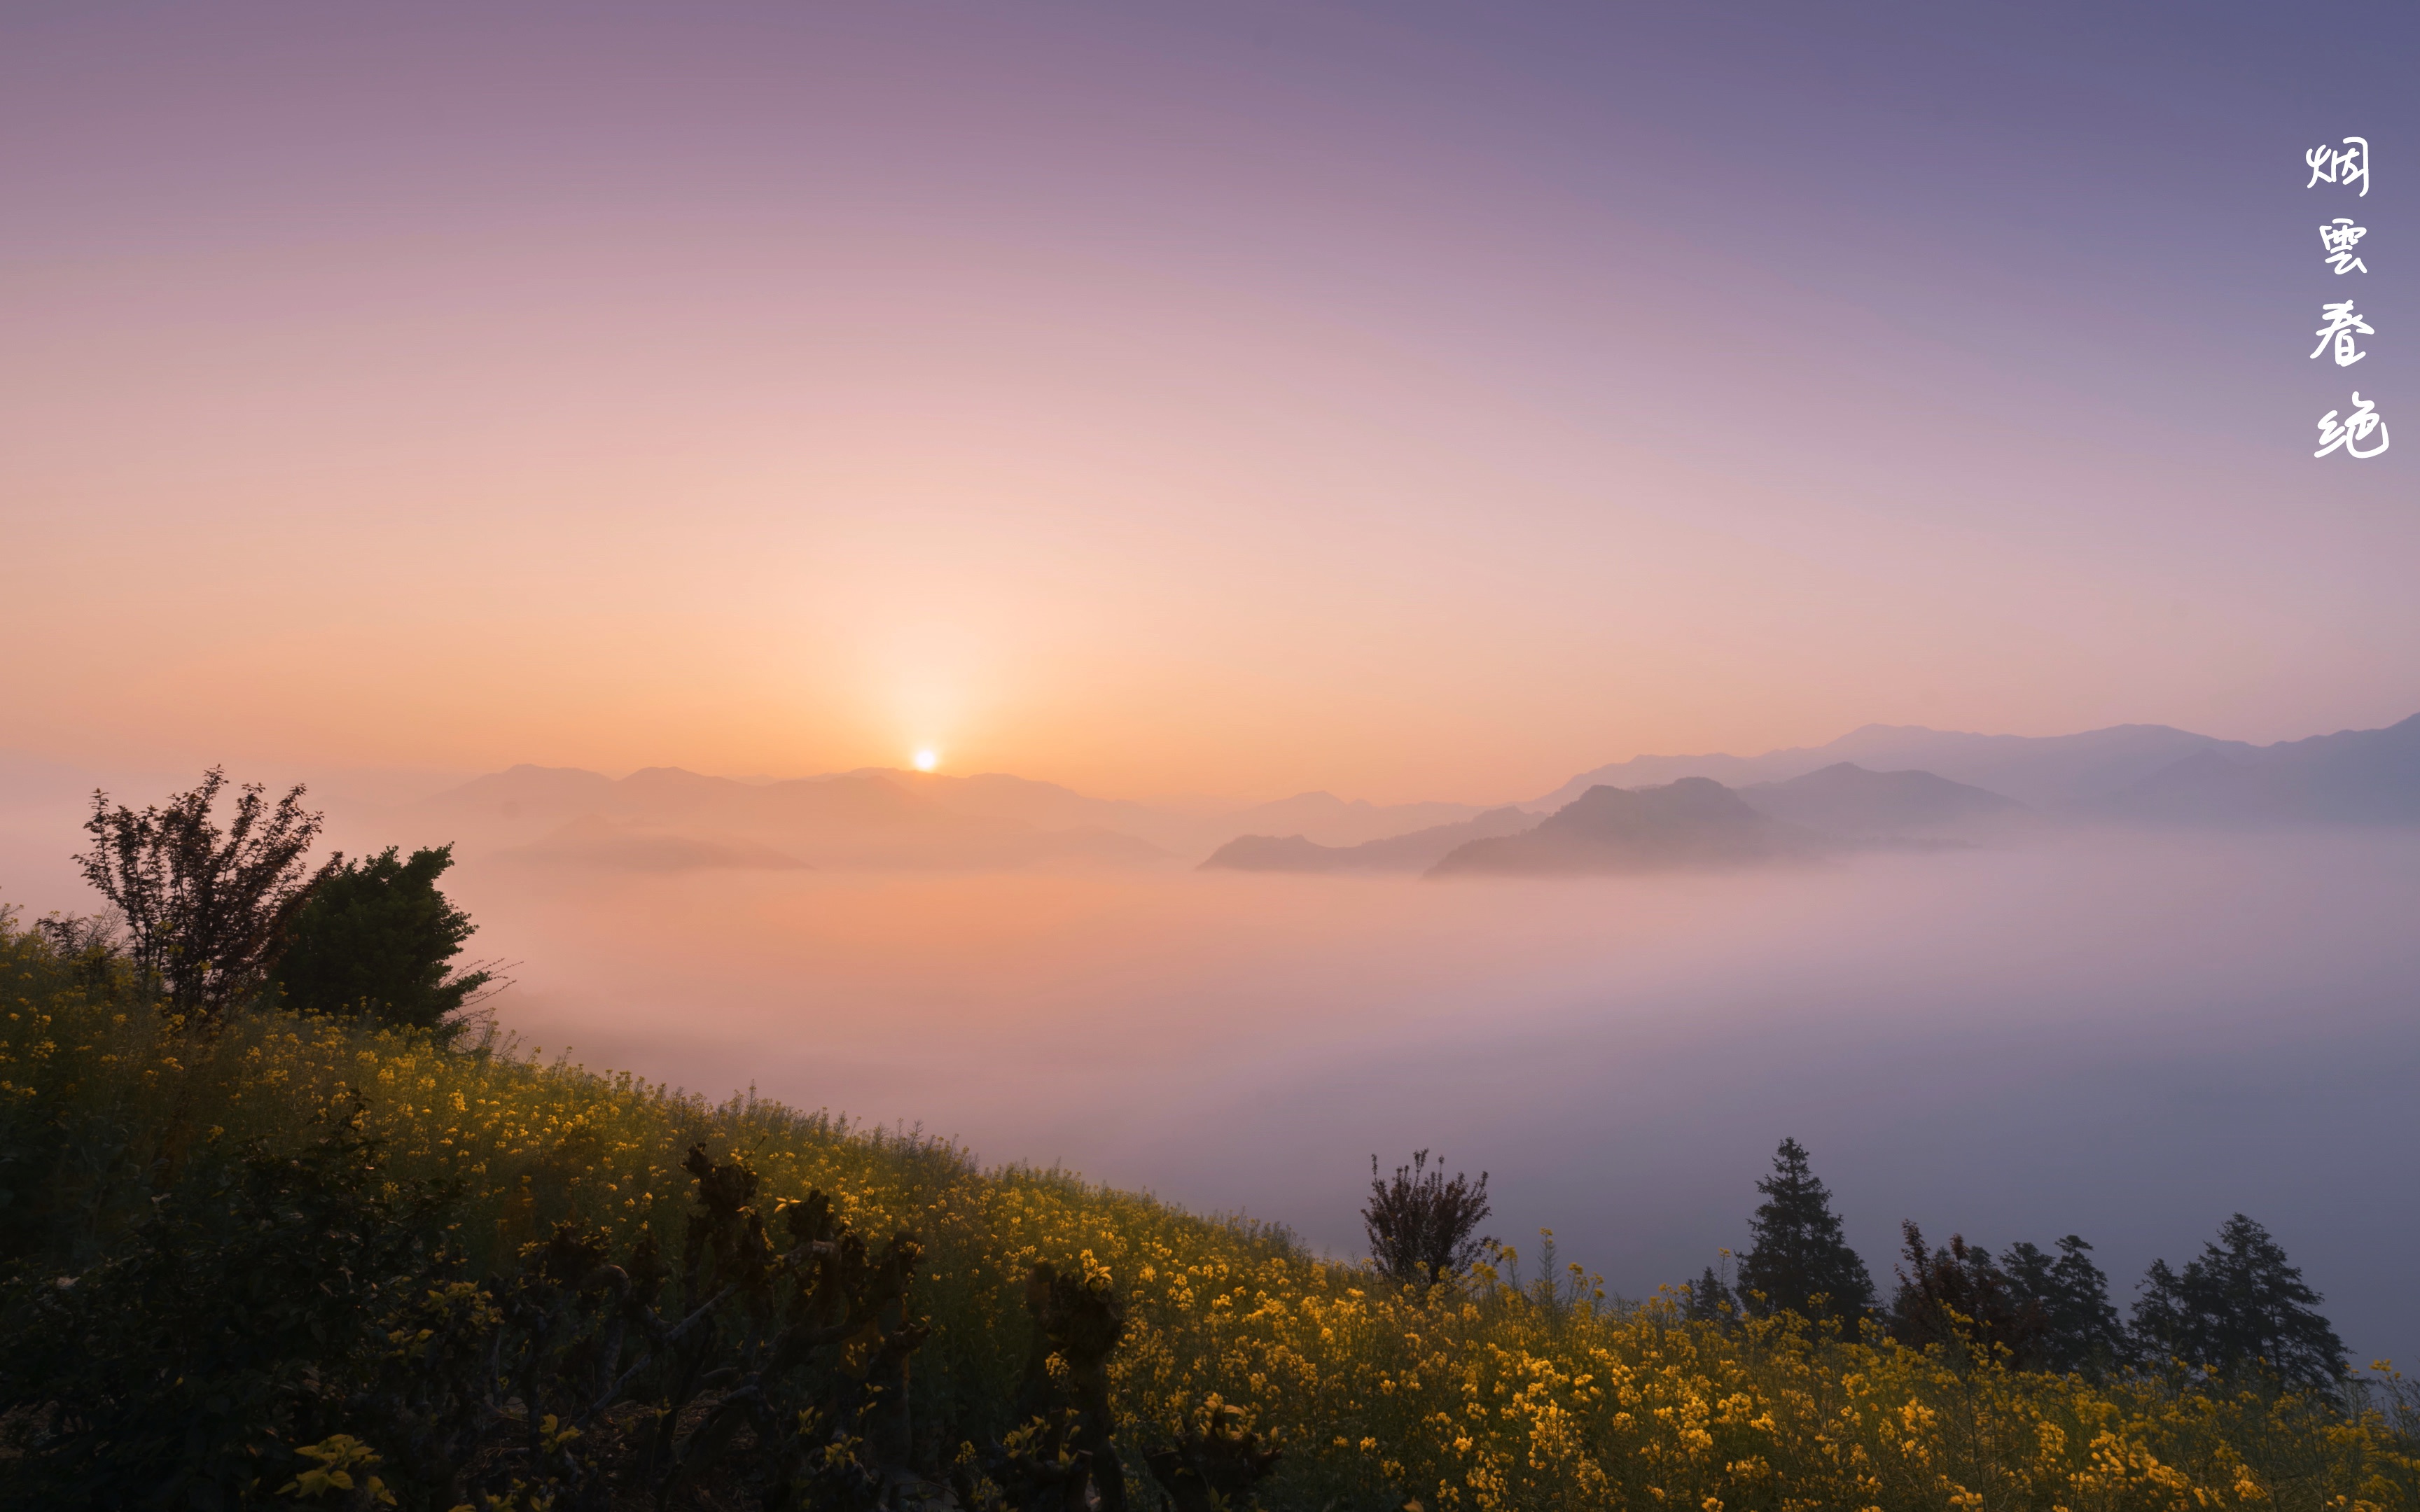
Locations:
column 2080, row 1330
column 1799, row 1262
column 1709, row 1300
column 2240, row 1308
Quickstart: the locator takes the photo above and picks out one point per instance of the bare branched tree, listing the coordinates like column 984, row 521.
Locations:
column 205, row 909
column 82, row 934
column 1421, row 1227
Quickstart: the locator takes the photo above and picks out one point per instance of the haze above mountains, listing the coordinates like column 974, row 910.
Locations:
column 1880, row 785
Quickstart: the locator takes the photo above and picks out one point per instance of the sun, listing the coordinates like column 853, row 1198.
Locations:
column 926, row 760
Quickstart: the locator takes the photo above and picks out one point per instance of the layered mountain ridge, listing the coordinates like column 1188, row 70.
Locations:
column 1880, row 783
column 1694, row 822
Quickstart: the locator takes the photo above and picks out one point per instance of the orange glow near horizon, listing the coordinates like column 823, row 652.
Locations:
column 776, row 395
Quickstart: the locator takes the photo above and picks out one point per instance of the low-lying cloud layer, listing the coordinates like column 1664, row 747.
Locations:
column 2124, row 1037
column 2039, row 1020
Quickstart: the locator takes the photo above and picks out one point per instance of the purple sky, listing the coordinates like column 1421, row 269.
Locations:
column 1410, row 400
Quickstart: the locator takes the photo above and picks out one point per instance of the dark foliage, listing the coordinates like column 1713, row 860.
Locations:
column 204, row 908
column 2239, row 1310
column 376, row 938
column 1709, row 1299
column 1081, row 1321
column 1799, row 1262
column 1422, row 1227
column 302, row 1315
column 300, row 1323
column 1215, row 1466
column 1960, row 1296
column 773, row 1364
column 2045, row 1313
column 77, row 936
column 1065, row 1455
column 246, row 1320
column 2079, row 1330
column 68, row 1174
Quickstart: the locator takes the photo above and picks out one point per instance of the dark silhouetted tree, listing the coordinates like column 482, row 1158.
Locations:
column 1709, row 1299
column 1421, row 1227
column 376, row 937
column 82, row 934
column 1958, row 1295
column 2080, row 1330
column 2240, row 1309
column 1799, row 1262
column 204, row 908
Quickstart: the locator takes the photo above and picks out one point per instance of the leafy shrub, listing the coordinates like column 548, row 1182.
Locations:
column 245, row 1317
column 1422, row 1227
column 375, row 937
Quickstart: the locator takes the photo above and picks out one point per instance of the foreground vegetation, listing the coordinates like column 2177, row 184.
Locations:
column 1481, row 1391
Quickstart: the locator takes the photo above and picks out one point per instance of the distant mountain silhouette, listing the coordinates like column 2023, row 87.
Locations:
column 1331, row 821
column 1845, row 799
column 526, row 800
column 883, row 816
column 1415, row 852
column 1873, row 783
column 2049, row 772
column 856, row 819
column 2351, row 777
column 594, row 840
column 1695, row 822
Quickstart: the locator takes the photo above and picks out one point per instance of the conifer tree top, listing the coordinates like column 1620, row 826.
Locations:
column 1799, row 1261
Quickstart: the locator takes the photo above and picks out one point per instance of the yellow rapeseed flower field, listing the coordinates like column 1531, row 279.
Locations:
column 1488, row 1394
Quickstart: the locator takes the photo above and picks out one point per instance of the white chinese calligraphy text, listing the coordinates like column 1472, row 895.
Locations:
column 2334, row 166
column 2350, row 434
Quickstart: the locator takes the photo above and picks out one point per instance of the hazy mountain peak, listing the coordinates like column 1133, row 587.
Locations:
column 1689, row 822
column 673, row 778
column 2350, row 776
column 1413, row 852
column 1865, row 732
column 2045, row 771
column 1850, row 801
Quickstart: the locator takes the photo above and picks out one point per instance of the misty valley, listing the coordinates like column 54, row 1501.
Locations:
column 2075, row 1005
column 1209, row 758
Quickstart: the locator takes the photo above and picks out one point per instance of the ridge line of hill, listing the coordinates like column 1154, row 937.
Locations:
column 1908, row 782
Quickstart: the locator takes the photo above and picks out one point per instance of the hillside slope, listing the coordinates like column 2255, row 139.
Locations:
column 1582, row 1403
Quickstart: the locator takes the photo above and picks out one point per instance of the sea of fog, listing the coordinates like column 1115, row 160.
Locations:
column 2128, row 1038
